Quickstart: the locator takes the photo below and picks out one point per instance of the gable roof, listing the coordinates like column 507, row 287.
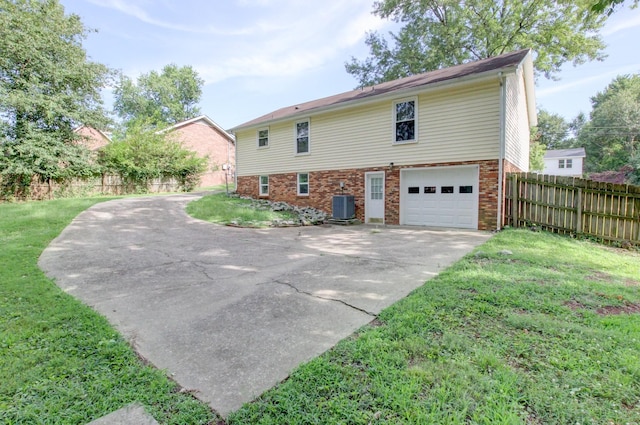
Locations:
column 504, row 63
column 79, row 128
column 565, row 153
column 204, row 119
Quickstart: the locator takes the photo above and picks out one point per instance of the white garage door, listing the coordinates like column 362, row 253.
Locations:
column 441, row 197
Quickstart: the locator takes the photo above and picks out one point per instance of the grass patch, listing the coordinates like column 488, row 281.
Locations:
column 62, row 363
column 549, row 334
column 230, row 210
column 545, row 335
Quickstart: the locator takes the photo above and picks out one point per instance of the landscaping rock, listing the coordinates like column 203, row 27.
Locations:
column 307, row 216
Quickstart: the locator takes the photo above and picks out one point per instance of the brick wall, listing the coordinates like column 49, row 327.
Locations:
column 207, row 141
column 92, row 138
column 324, row 184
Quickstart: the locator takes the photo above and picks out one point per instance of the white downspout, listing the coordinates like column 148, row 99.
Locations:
column 503, row 111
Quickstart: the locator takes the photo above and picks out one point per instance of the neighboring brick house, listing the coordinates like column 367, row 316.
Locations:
column 208, row 139
column 565, row 162
column 92, row 138
column 430, row 149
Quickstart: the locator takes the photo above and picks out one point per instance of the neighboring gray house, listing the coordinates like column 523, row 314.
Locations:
column 564, row 162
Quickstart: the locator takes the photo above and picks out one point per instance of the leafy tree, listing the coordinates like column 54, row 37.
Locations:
column 536, row 156
column 47, row 87
column 164, row 98
column 441, row 33
column 611, row 136
column 145, row 154
column 609, row 6
column 552, row 131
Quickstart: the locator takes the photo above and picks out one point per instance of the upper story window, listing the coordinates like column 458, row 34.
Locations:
column 263, row 138
column 302, row 137
column 405, row 117
column 565, row 163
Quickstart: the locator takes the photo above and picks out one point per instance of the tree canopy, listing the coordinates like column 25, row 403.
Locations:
column 163, row 98
column 552, row 131
column 609, row 6
column 441, row 33
column 611, row 136
column 48, row 86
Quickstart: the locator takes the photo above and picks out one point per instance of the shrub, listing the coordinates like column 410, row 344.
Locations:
column 144, row 154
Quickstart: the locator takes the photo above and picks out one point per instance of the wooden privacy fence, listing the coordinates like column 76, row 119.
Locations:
column 607, row 211
column 106, row 184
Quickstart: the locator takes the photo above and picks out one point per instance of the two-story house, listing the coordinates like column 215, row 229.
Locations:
column 430, row 149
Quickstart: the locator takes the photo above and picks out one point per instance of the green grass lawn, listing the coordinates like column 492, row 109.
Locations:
column 60, row 362
column 547, row 335
column 223, row 209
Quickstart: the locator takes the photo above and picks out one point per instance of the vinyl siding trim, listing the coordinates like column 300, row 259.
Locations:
column 456, row 124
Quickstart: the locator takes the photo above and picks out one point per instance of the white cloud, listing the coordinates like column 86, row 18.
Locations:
column 240, row 39
column 307, row 35
column 605, row 78
column 127, row 7
column 630, row 18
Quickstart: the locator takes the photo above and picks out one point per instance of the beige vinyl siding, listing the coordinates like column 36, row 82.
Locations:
column 517, row 131
column 460, row 124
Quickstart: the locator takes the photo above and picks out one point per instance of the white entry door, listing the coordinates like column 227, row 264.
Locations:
column 374, row 197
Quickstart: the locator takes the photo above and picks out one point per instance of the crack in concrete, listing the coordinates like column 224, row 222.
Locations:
column 325, row 298
column 205, row 271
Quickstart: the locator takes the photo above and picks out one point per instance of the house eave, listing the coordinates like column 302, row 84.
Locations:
column 493, row 74
column 204, row 118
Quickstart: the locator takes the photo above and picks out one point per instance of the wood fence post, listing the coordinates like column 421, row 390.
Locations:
column 579, row 212
column 514, row 200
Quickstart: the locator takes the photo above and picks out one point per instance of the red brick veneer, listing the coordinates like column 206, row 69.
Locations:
column 324, row 184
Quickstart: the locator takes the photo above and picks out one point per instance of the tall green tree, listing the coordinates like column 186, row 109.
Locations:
column 441, row 33
column 611, row 136
column 47, row 87
column 552, row 131
column 162, row 98
column 609, row 6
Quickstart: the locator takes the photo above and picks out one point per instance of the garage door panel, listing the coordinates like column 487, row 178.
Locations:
column 445, row 197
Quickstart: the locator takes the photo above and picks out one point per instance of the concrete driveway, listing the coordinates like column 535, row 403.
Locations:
column 230, row 312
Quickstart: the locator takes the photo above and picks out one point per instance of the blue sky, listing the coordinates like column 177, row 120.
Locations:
column 259, row 55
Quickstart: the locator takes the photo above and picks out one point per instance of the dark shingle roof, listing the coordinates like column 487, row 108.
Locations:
column 508, row 60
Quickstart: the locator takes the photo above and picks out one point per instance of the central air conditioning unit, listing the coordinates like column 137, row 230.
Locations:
column 344, row 207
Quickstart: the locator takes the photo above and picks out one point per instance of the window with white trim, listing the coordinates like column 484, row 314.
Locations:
column 264, row 185
column 405, row 121
column 561, row 163
column 303, row 184
column 263, row 138
column 568, row 163
column 302, row 137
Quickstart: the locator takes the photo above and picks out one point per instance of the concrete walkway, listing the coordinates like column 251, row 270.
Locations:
column 230, row 312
